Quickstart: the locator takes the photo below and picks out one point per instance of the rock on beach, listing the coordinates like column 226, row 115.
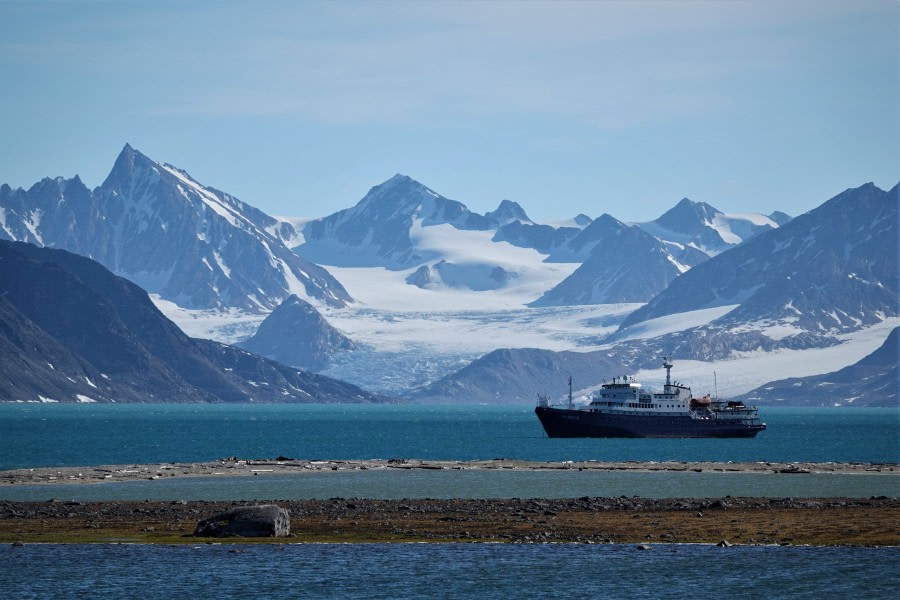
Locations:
column 265, row 520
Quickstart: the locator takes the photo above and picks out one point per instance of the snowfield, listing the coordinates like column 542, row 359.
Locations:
column 749, row 370
column 432, row 333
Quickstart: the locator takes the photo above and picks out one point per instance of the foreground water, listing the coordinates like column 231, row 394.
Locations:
column 444, row 571
column 33, row 435
column 398, row 484
column 57, row 435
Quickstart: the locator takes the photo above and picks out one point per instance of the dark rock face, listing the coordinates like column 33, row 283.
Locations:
column 296, row 334
column 265, row 520
column 155, row 225
column 422, row 277
column 72, row 331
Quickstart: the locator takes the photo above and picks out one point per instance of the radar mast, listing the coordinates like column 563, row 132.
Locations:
column 667, row 363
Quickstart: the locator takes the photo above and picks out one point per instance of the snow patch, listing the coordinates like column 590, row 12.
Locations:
column 747, row 371
column 678, row 322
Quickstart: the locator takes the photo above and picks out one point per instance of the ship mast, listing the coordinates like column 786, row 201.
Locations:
column 667, row 363
column 570, row 392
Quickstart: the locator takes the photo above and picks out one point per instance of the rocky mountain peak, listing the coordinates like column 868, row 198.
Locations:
column 296, row 334
column 582, row 220
column 688, row 216
column 507, row 212
column 155, row 225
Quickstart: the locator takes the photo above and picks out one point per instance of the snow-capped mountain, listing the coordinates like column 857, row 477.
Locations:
column 154, row 224
column 296, row 334
column 625, row 264
column 872, row 381
column 508, row 212
column 831, row 270
column 381, row 230
column 701, row 226
column 437, row 244
column 801, row 300
column 71, row 331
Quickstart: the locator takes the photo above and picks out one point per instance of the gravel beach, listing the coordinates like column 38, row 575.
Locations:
column 815, row 521
column 234, row 466
column 827, row 521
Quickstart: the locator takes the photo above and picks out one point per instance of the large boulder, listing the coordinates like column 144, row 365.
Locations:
column 265, row 520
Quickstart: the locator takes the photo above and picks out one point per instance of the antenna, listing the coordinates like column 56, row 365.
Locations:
column 716, row 384
column 667, row 363
column 570, row 392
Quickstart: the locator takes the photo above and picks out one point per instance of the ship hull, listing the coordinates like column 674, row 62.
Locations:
column 565, row 423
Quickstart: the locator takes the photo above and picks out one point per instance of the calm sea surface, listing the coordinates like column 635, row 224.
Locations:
column 47, row 435
column 445, row 571
column 34, row 435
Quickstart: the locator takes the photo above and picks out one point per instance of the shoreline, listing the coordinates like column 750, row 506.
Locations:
column 743, row 521
column 233, row 466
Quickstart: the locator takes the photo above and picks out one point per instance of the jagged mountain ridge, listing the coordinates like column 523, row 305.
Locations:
column 72, row 331
column 378, row 231
column 387, row 229
column 833, row 269
column 626, row 264
column 701, row 226
column 296, row 334
column 154, row 224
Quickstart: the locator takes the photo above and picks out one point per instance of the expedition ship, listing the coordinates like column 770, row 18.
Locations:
column 621, row 408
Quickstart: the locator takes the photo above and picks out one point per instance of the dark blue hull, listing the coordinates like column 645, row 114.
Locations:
column 565, row 423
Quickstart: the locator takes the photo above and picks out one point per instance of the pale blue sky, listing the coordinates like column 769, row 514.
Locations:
column 565, row 107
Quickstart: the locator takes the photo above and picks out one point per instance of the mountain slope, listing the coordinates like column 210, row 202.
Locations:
column 36, row 366
column 872, row 381
column 833, row 269
column 379, row 230
column 296, row 334
column 102, row 338
column 625, row 265
column 708, row 229
column 517, row 376
column 155, row 225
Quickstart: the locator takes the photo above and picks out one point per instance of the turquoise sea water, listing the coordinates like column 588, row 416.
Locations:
column 33, row 435
column 445, row 571
column 398, row 484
